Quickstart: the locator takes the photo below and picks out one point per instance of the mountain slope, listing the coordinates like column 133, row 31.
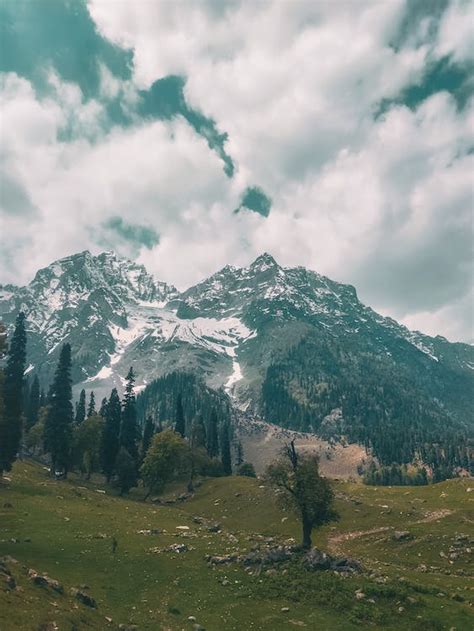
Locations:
column 287, row 344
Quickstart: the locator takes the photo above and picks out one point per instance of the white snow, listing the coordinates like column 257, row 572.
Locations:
column 103, row 373
column 235, row 376
column 29, row 369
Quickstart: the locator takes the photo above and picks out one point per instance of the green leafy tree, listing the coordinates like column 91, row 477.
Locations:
column 81, row 408
column 126, row 470
column 303, row 490
column 213, row 436
column 225, row 450
column 180, row 425
column 166, row 459
column 33, row 403
column 58, row 426
column 87, row 442
column 110, row 442
column 11, row 423
column 129, row 429
column 91, row 406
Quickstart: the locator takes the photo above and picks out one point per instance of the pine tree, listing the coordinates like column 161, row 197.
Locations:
column 81, row 408
column 198, row 433
column 43, row 400
column 103, row 407
column 33, row 403
column 239, row 454
column 126, row 469
column 111, row 435
column 58, row 426
column 148, row 432
column 180, row 425
column 91, row 408
column 129, row 428
column 10, row 427
column 212, row 436
column 225, row 450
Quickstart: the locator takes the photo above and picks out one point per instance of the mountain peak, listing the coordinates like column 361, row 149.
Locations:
column 263, row 262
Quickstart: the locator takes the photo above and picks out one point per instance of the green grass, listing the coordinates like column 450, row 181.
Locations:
column 71, row 525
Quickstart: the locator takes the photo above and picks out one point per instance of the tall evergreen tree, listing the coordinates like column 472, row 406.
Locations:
column 10, row 427
column 180, row 425
column 225, row 450
column 212, row 436
column 81, row 408
column 43, row 400
column 103, row 407
column 111, row 435
column 239, row 454
column 91, row 408
column 129, row 428
column 33, row 403
column 58, row 426
column 148, row 432
column 198, row 433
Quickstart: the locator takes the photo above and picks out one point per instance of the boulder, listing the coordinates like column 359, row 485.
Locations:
column 84, row 598
column 317, row 560
column 402, row 535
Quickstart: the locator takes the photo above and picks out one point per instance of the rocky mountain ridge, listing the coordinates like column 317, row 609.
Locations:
column 286, row 344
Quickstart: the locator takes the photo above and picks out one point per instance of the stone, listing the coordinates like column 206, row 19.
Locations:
column 401, row 535
column 317, row 560
column 285, row 609
column 84, row 598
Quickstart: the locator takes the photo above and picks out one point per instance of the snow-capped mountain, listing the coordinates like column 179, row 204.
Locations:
column 233, row 329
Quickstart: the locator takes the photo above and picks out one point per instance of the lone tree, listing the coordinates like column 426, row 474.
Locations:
column 166, row 459
column 58, row 426
column 110, row 442
column 81, row 408
column 180, row 425
column 129, row 430
column 11, row 421
column 303, row 489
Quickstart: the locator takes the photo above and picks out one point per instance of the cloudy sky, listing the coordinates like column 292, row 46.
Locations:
column 333, row 134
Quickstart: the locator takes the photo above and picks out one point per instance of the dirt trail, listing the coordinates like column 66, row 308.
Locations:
column 335, row 541
column 437, row 514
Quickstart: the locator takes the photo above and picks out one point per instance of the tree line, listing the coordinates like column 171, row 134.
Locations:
column 108, row 438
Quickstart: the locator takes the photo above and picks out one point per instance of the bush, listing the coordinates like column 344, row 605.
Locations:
column 247, row 469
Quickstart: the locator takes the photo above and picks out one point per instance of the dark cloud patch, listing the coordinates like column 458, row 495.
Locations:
column 165, row 99
column 14, row 199
column 60, row 34
column 442, row 75
column 135, row 234
column 254, row 199
column 417, row 11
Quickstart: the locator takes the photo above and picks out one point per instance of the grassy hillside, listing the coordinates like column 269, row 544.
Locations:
column 65, row 529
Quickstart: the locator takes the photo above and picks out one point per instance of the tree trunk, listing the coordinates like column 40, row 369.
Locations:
column 307, row 529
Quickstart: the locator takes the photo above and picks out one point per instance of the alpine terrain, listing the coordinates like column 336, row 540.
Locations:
column 274, row 345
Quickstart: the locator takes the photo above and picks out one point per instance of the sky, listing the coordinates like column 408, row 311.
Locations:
column 188, row 135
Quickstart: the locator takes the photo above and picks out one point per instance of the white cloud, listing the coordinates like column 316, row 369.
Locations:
column 384, row 204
